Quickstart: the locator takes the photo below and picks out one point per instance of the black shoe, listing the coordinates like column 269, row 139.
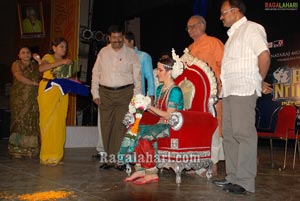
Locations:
column 235, row 189
column 121, row 167
column 105, row 166
column 221, row 183
column 97, row 157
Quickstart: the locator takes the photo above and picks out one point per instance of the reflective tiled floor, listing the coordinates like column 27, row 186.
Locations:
column 80, row 175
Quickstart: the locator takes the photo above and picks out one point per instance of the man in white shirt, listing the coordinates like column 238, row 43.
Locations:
column 116, row 78
column 245, row 63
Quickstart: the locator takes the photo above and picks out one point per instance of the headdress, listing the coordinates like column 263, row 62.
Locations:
column 177, row 67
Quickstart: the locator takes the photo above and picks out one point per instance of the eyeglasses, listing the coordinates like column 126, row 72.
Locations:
column 226, row 11
column 192, row 26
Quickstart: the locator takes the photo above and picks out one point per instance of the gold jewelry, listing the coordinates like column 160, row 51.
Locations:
column 178, row 66
column 164, row 95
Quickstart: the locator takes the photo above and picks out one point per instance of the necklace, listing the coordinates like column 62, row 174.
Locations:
column 164, row 96
column 165, row 88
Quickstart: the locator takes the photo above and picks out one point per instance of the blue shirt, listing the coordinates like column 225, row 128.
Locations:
column 147, row 72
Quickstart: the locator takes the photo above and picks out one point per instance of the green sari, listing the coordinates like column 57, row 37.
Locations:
column 24, row 123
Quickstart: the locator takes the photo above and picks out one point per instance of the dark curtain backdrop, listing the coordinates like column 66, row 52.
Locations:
column 162, row 22
column 163, row 25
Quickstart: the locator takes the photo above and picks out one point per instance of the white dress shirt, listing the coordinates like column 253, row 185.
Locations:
column 239, row 72
column 115, row 69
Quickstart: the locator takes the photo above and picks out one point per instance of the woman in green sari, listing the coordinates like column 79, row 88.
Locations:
column 24, row 125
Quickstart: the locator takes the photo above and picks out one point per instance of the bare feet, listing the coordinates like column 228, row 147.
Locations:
column 148, row 178
column 135, row 175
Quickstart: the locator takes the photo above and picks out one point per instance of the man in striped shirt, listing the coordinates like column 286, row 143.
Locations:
column 245, row 63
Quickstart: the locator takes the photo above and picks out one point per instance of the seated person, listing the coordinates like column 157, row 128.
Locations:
column 169, row 98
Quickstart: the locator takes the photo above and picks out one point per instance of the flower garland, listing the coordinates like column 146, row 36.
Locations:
column 137, row 106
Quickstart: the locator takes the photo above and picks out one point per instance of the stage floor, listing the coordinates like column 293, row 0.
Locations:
column 81, row 177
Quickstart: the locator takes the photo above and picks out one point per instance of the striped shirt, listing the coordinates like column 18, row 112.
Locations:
column 239, row 72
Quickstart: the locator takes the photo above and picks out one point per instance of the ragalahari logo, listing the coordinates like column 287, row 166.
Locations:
column 278, row 6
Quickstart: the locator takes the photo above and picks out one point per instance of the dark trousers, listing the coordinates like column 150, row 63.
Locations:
column 113, row 107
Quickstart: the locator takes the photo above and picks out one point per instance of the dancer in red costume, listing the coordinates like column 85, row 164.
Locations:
column 169, row 99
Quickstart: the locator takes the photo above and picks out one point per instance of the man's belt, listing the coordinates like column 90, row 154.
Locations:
column 116, row 88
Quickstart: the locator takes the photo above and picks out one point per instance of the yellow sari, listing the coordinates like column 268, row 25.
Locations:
column 53, row 108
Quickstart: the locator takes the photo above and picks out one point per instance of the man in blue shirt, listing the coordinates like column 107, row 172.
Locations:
column 146, row 64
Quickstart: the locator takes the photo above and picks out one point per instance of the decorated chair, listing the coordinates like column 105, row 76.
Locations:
column 189, row 144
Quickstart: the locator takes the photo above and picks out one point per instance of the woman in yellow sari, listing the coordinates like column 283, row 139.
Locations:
column 53, row 105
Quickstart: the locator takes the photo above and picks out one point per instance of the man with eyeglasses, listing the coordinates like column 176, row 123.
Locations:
column 245, row 64
column 210, row 50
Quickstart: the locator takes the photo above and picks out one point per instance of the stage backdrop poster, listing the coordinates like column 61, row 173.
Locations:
column 279, row 18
